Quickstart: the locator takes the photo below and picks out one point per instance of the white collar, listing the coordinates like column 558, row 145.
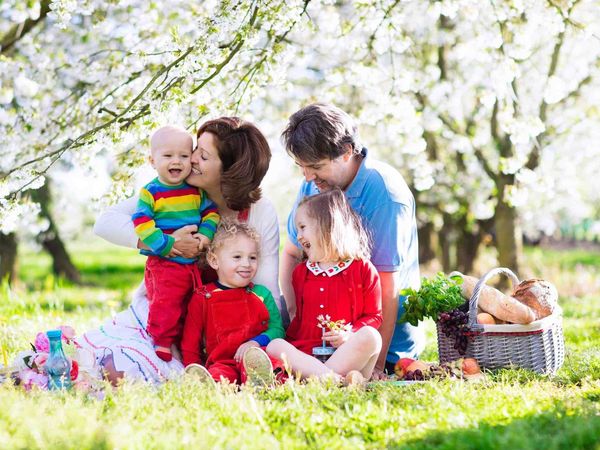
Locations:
column 333, row 270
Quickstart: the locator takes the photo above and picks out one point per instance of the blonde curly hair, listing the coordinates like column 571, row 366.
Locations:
column 226, row 231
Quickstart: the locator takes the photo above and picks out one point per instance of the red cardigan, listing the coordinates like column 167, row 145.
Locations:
column 354, row 294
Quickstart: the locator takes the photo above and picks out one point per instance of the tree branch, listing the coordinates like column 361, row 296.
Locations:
column 536, row 151
column 485, row 164
column 17, row 31
column 121, row 116
column 387, row 13
column 70, row 143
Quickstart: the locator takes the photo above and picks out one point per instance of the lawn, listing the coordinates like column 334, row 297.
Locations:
column 514, row 409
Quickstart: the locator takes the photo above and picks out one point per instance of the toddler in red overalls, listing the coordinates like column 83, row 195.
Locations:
column 230, row 319
column 336, row 280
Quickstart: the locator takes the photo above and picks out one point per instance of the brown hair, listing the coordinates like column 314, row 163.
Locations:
column 245, row 155
column 227, row 230
column 340, row 231
column 320, row 131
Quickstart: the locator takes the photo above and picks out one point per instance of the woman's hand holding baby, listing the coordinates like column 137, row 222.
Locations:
column 185, row 242
column 337, row 337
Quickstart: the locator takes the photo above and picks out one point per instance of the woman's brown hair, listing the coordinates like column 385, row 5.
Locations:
column 245, row 157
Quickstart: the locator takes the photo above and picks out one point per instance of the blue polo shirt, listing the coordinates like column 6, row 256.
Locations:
column 382, row 199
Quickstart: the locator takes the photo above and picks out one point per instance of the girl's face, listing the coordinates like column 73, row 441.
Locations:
column 236, row 261
column 206, row 164
column 308, row 232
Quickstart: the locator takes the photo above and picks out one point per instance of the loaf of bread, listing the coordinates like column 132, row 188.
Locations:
column 539, row 295
column 497, row 304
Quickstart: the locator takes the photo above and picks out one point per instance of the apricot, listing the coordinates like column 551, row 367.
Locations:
column 486, row 319
column 470, row 366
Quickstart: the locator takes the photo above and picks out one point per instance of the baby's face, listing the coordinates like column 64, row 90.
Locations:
column 171, row 158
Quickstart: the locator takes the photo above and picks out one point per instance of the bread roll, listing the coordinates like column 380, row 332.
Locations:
column 539, row 295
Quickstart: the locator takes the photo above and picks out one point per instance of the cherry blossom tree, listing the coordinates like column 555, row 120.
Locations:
column 488, row 108
column 80, row 80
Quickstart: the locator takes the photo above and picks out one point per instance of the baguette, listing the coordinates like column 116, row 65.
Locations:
column 497, row 304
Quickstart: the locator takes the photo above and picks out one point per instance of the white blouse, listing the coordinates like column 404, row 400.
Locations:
column 115, row 226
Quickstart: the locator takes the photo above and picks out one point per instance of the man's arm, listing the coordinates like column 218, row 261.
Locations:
column 390, row 287
column 290, row 257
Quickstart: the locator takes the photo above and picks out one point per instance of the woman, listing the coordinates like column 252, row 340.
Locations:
column 229, row 162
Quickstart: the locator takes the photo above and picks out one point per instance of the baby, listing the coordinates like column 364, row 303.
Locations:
column 166, row 204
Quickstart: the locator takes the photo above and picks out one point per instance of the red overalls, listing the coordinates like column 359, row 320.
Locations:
column 217, row 323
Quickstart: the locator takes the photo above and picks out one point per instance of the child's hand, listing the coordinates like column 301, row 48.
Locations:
column 242, row 349
column 203, row 242
column 337, row 337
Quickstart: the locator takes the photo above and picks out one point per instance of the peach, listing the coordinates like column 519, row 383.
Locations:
column 417, row 365
column 401, row 365
column 470, row 366
column 486, row 319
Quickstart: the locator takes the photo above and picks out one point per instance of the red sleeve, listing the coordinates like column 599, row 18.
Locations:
column 192, row 331
column 371, row 314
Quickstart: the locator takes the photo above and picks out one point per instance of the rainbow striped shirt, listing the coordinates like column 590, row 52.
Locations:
column 163, row 209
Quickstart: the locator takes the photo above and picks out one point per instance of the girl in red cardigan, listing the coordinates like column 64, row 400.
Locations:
column 336, row 280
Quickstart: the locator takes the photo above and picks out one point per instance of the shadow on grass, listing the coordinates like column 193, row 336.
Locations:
column 560, row 428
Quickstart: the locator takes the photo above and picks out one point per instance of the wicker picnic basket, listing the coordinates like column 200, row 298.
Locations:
column 538, row 346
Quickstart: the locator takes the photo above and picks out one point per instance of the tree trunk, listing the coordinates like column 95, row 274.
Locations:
column 508, row 236
column 61, row 261
column 51, row 241
column 8, row 257
column 426, row 243
column 467, row 249
column 446, row 238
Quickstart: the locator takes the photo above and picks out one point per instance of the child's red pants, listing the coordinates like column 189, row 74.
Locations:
column 169, row 286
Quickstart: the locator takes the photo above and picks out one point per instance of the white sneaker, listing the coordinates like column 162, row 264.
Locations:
column 200, row 373
column 259, row 370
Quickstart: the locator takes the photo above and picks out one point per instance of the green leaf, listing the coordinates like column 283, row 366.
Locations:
column 436, row 295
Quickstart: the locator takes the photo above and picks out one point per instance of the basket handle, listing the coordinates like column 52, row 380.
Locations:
column 479, row 287
column 474, row 300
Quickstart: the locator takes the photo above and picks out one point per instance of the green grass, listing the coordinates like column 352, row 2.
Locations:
column 514, row 409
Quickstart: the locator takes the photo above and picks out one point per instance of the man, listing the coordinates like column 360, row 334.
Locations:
column 323, row 141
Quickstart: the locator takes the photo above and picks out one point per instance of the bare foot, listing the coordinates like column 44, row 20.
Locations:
column 354, row 378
